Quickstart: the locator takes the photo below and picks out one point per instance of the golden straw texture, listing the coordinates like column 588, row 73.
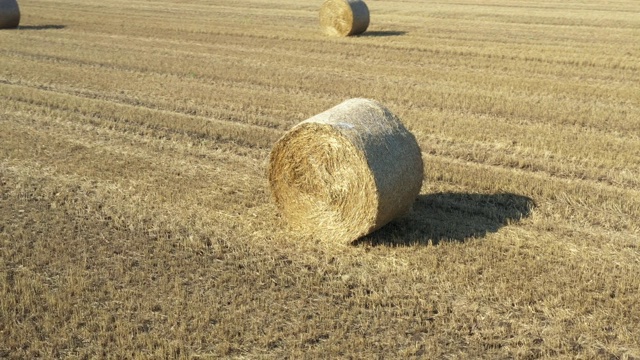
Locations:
column 9, row 14
column 346, row 171
column 344, row 17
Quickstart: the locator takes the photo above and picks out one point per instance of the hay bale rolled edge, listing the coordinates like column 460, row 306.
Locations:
column 344, row 17
column 345, row 172
column 9, row 14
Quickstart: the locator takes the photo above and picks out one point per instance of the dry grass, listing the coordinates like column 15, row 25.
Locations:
column 345, row 172
column 135, row 218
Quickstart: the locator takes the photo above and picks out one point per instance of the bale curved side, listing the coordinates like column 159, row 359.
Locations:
column 344, row 17
column 345, row 172
column 9, row 14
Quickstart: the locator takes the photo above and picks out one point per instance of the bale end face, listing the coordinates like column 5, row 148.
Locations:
column 344, row 17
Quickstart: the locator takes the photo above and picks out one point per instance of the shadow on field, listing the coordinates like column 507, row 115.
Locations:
column 451, row 217
column 41, row 27
column 382, row 33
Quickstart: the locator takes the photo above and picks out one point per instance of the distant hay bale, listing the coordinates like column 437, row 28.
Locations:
column 9, row 14
column 345, row 172
column 344, row 17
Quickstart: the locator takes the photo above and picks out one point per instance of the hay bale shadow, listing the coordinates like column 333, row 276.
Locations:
column 382, row 33
column 41, row 27
column 451, row 217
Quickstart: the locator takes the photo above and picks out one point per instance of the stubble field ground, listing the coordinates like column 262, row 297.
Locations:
column 135, row 217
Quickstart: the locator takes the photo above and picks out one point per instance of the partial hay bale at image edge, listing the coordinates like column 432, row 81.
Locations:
column 345, row 172
column 344, row 17
column 9, row 14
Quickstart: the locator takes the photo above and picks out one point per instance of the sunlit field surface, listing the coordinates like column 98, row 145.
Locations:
column 136, row 218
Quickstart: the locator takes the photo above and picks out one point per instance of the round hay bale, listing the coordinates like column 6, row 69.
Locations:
column 9, row 14
column 345, row 172
column 344, row 17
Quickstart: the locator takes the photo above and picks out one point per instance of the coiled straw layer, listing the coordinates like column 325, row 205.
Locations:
column 345, row 172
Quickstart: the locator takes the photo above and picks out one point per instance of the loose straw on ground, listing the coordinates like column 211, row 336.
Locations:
column 346, row 172
column 9, row 14
column 344, row 17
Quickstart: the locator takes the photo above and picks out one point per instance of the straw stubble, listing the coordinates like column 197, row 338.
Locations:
column 345, row 172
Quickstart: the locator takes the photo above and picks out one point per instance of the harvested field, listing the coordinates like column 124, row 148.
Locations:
column 136, row 219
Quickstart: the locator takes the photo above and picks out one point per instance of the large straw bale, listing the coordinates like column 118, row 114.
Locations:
column 345, row 172
column 9, row 14
column 344, row 17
